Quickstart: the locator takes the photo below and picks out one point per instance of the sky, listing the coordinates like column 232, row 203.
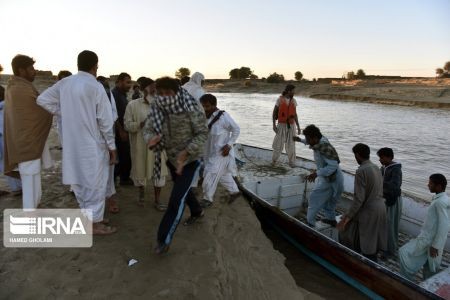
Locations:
column 320, row 38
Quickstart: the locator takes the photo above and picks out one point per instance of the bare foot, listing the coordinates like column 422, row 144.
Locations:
column 113, row 206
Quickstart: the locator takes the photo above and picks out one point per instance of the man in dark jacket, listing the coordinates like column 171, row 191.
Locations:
column 123, row 168
column 392, row 193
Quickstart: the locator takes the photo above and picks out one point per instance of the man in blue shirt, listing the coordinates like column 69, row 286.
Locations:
column 330, row 181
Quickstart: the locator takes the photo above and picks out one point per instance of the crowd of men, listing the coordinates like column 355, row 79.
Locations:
column 179, row 130
column 104, row 136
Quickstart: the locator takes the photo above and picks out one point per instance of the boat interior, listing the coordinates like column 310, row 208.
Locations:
column 286, row 189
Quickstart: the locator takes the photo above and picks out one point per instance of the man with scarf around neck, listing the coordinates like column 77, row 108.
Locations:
column 330, row 182
column 176, row 124
column 363, row 226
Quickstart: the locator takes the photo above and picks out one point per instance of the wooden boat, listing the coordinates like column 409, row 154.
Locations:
column 279, row 196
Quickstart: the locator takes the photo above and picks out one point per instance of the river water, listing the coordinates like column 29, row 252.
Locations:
column 419, row 137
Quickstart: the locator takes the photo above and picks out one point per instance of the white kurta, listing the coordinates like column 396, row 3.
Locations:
column 219, row 168
column 415, row 254
column 142, row 159
column 87, row 128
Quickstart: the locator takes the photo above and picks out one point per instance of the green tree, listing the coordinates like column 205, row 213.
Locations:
column 350, row 75
column 245, row 72
column 298, row 76
column 275, row 78
column 182, row 72
column 447, row 67
column 234, row 74
column 360, row 74
column 439, row 72
column 242, row 73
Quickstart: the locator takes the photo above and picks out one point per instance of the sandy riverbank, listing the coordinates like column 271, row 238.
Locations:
column 420, row 92
column 225, row 256
column 428, row 92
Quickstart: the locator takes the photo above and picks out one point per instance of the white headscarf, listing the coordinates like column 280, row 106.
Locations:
column 194, row 85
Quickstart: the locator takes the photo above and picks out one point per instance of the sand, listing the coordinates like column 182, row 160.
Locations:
column 225, row 256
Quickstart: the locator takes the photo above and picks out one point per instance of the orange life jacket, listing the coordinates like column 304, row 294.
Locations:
column 286, row 112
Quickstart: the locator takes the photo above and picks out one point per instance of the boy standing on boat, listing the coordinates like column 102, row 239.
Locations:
column 363, row 226
column 330, row 181
column 220, row 165
column 392, row 182
column 427, row 248
column 285, row 111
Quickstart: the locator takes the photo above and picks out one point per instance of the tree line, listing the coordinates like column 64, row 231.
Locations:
column 444, row 72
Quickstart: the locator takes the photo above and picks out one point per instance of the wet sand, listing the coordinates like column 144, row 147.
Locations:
column 225, row 256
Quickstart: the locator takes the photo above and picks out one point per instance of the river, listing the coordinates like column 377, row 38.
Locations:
column 420, row 137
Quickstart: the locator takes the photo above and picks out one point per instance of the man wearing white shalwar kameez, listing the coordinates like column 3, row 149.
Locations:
column 220, row 165
column 88, row 143
column 427, row 248
column 110, row 187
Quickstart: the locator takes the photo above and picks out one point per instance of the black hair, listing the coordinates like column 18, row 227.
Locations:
column 312, row 131
column 2, row 93
column 385, row 152
column 185, row 79
column 439, row 179
column 21, row 61
column 122, row 76
column 167, row 83
column 87, row 60
column 63, row 74
column 362, row 150
column 145, row 82
column 101, row 79
column 288, row 88
column 209, row 98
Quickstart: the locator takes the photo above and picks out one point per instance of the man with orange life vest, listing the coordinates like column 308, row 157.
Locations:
column 285, row 111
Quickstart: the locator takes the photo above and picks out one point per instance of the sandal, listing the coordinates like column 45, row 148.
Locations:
column 192, row 219
column 104, row 230
column 160, row 207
